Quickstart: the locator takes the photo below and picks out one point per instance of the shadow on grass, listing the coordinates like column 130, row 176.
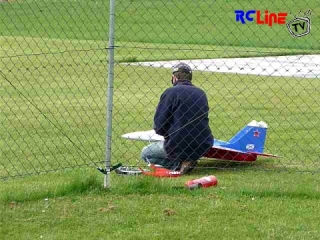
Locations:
column 50, row 186
column 147, row 185
column 90, row 182
column 207, row 166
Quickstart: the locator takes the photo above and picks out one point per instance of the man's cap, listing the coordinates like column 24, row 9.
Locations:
column 182, row 67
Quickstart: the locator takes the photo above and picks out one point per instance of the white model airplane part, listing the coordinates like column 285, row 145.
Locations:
column 149, row 135
column 246, row 145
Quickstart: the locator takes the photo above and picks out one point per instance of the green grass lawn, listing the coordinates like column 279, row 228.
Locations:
column 54, row 107
column 69, row 89
column 244, row 205
column 53, row 87
column 188, row 22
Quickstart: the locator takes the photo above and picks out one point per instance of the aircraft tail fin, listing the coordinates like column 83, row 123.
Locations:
column 251, row 138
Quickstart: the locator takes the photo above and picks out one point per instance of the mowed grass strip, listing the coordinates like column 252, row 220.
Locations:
column 246, row 205
column 175, row 22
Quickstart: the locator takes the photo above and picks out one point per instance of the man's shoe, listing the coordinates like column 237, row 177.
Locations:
column 187, row 166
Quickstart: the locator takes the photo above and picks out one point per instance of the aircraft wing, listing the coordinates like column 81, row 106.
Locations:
column 264, row 154
column 216, row 151
column 225, row 153
column 149, row 136
column 238, row 151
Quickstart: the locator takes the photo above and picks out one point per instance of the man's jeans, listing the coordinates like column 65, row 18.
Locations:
column 154, row 153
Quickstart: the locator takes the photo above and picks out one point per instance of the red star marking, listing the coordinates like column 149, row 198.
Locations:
column 256, row 133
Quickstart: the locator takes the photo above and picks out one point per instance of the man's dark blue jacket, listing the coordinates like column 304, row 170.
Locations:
column 182, row 118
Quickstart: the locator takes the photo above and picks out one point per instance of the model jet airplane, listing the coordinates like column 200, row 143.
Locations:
column 246, row 145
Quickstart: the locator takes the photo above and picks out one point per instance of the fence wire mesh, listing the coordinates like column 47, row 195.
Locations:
column 250, row 65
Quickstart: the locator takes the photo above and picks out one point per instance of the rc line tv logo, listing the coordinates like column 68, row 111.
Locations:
column 298, row 27
column 269, row 18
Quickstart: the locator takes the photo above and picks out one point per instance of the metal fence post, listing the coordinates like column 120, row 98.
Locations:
column 110, row 93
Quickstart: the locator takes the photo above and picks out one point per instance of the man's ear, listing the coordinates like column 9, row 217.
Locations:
column 174, row 78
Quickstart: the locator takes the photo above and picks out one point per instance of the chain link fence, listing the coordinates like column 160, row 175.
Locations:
column 53, row 78
column 251, row 63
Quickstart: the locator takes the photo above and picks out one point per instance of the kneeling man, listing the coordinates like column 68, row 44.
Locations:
column 182, row 119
